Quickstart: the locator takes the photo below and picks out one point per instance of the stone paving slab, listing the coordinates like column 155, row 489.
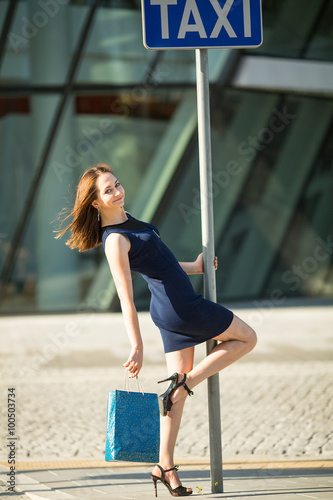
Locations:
column 128, row 482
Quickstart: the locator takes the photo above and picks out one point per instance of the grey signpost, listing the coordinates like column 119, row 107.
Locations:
column 200, row 25
column 207, row 229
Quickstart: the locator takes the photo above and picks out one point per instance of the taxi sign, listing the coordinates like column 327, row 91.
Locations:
column 199, row 24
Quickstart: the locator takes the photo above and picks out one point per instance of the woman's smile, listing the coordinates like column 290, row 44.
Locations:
column 119, row 199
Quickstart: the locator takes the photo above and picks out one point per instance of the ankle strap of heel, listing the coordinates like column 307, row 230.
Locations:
column 183, row 383
column 175, row 467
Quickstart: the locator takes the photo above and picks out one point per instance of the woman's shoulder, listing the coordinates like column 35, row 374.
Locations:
column 113, row 233
column 115, row 241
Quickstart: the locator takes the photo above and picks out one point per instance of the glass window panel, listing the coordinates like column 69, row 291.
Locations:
column 264, row 209
column 115, row 53
column 30, row 132
column 41, row 42
column 304, row 264
column 3, row 11
column 178, row 66
column 321, row 42
column 25, row 122
column 295, row 29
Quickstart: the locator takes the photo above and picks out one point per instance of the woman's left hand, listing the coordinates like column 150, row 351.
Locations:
column 200, row 263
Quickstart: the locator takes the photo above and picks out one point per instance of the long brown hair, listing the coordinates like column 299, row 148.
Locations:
column 85, row 227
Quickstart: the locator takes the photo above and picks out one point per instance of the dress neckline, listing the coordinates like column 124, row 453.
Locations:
column 131, row 224
column 119, row 223
column 113, row 225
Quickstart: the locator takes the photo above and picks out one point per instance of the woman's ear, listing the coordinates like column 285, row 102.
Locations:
column 95, row 204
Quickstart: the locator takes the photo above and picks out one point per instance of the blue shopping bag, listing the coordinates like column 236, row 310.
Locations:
column 132, row 427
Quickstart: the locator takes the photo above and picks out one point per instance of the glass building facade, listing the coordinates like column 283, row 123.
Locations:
column 77, row 87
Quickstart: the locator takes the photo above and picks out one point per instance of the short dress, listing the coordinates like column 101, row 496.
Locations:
column 183, row 317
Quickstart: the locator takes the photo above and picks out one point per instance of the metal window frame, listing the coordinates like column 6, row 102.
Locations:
column 6, row 27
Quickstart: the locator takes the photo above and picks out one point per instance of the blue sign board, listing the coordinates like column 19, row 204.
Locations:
column 199, row 24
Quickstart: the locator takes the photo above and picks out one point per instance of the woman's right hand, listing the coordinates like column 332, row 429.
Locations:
column 134, row 362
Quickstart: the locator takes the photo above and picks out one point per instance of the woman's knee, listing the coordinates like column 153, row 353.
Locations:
column 248, row 334
column 252, row 338
column 239, row 330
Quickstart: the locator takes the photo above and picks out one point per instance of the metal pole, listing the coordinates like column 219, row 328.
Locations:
column 207, row 223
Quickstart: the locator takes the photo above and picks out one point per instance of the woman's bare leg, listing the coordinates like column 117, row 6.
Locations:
column 235, row 342
column 181, row 362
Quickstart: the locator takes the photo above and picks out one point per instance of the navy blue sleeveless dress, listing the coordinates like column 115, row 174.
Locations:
column 184, row 318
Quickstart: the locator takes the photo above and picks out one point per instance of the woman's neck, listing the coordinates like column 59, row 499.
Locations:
column 116, row 217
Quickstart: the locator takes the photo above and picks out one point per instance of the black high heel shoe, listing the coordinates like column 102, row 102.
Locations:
column 180, row 491
column 164, row 400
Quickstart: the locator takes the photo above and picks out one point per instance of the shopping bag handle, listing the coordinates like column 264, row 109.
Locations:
column 126, row 384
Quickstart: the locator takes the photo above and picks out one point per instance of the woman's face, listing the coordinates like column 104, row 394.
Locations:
column 111, row 194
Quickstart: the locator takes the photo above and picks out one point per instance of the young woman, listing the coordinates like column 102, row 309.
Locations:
column 184, row 318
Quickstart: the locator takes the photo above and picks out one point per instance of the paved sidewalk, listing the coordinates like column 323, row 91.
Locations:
column 276, row 403
column 280, row 480
column 277, row 406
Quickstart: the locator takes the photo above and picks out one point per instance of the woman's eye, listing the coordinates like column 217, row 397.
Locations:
column 117, row 184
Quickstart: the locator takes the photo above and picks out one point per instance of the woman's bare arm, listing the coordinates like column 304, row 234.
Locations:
column 116, row 249
column 196, row 267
